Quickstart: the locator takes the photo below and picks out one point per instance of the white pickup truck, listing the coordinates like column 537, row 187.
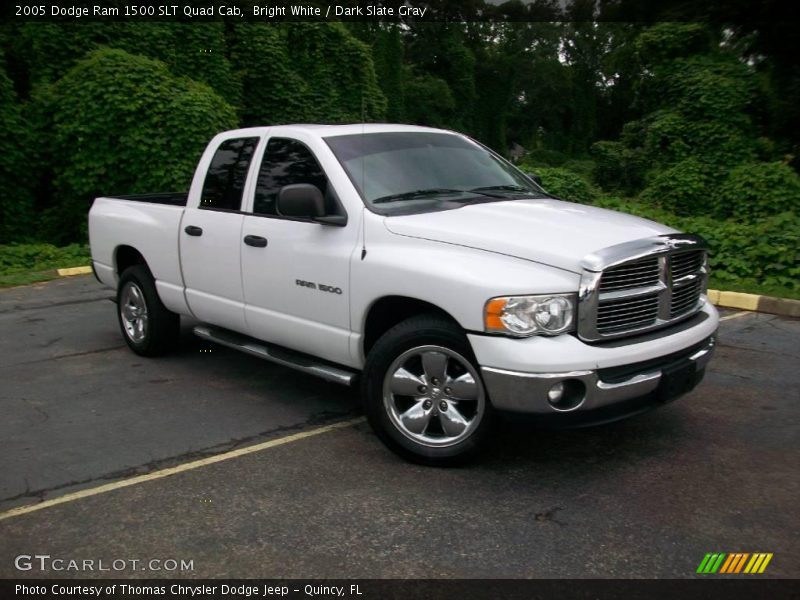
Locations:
column 420, row 264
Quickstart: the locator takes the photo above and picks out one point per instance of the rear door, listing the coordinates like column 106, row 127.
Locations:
column 210, row 237
column 296, row 286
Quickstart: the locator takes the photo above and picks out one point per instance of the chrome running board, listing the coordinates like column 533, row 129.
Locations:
column 276, row 354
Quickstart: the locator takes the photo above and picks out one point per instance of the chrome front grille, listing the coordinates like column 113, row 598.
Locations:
column 626, row 313
column 641, row 285
column 684, row 295
column 639, row 273
column 686, row 263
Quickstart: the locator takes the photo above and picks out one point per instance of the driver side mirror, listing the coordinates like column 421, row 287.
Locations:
column 301, row 200
column 536, row 179
column 305, row 201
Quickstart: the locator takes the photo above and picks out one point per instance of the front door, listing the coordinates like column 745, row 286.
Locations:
column 296, row 288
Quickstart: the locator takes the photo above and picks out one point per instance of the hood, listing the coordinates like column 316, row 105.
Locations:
column 550, row 232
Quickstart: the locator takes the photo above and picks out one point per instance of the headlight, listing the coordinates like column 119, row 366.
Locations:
column 528, row 315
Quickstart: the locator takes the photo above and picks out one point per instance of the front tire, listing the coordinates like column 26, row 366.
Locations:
column 423, row 393
column 148, row 327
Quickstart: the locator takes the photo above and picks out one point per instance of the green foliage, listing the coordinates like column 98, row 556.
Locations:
column 582, row 166
column 458, row 69
column 545, row 157
column 683, row 189
column 712, row 86
column 444, row 63
column 494, row 78
column 748, row 193
column 431, row 101
column 18, row 258
column 761, row 253
column 670, row 137
column 700, row 115
column 703, row 102
column 119, row 123
column 667, row 41
column 751, row 286
column 565, row 184
column 305, row 72
column 766, row 252
column 387, row 51
column 694, row 156
column 756, row 190
column 617, row 167
column 48, row 50
column 16, row 198
column 698, row 125
column 197, row 50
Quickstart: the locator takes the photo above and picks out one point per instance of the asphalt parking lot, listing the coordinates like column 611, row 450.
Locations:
column 647, row 497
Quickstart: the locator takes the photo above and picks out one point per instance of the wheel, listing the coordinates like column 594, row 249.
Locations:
column 147, row 326
column 423, row 393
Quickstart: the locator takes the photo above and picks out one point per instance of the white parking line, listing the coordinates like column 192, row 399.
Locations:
column 735, row 315
column 109, row 487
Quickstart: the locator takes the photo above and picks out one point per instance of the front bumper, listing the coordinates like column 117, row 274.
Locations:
column 597, row 389
column 598, row 379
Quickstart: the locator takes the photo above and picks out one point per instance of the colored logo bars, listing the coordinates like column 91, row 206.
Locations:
column 737, row 562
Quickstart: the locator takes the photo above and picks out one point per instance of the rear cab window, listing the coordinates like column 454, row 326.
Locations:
column 227, row 174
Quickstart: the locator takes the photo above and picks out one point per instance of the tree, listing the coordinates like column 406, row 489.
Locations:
column 388, row 53
column 697, row 130
column 16, row 197
column 305, row 72
column 118, row 123
column 439, row 51
column 198, row 50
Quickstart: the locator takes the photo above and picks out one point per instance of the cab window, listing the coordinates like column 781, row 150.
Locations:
column 227, row 174
column 285, row 162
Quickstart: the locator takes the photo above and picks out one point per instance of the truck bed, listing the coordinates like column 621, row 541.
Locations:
column 171, row 198
column 148, row 224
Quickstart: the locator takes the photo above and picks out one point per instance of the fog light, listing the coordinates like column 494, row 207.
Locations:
column 556, row 392
column 567, row 395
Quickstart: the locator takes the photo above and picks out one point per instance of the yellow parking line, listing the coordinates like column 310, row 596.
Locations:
column 109, row 487
column 735, row 315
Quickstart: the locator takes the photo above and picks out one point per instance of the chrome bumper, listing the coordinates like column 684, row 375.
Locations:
column 523, row 392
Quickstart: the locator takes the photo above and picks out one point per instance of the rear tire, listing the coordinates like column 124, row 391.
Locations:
column 148, row 327
column 423, row 393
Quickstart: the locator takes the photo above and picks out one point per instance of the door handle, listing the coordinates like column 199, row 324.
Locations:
column 193, row 230
column 256, row 241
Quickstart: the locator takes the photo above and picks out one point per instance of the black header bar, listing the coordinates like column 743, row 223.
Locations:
column 401, row 11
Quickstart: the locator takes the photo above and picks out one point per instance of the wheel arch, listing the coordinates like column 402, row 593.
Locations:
column 127, row 256
column 387, row 311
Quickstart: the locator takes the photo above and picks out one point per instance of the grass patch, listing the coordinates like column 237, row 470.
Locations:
column 22, row 258
column 23, row 264
column 27, row 278
column 753, row 287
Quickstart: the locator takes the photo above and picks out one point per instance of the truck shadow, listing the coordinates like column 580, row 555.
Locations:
column 514, row 445
column 646, row 435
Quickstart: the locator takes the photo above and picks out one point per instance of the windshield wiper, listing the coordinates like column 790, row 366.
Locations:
column 433, row 192
column 417, row 194
column 502, row 188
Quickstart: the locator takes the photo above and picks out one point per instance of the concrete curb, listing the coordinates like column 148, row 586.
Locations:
column 766, row 304
column 755, row 302
column 74, row 271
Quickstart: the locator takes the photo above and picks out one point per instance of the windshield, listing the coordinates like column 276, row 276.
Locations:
column 410, row 172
